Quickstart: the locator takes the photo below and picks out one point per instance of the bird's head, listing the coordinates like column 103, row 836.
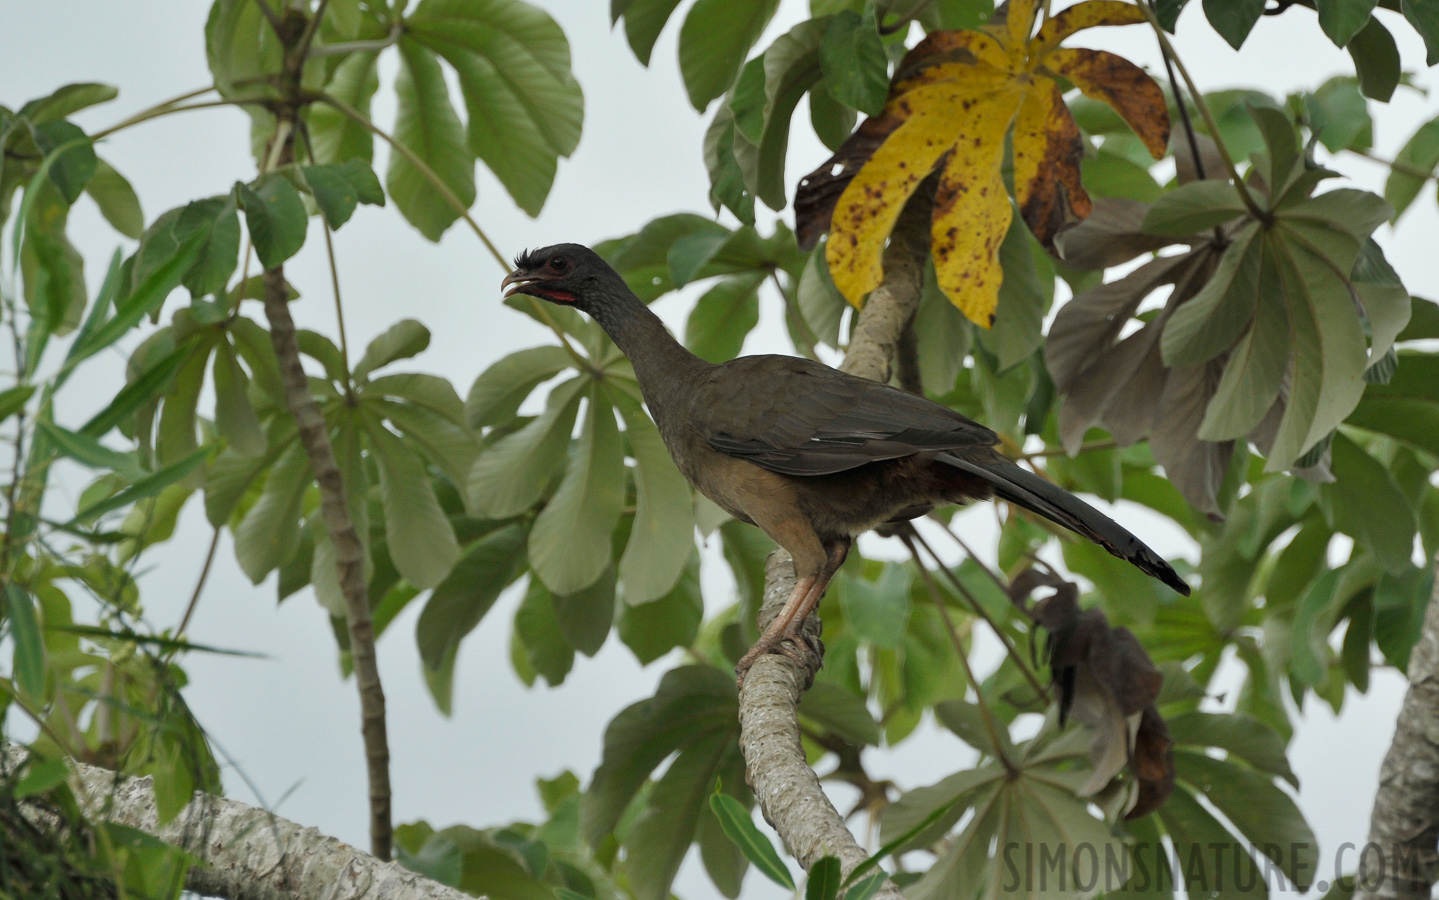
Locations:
column 567, row 274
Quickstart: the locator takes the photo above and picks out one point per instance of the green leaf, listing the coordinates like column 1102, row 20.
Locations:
column 723, row 317
column 739, row 827
column 855, row 65
column 824, row 880
column 234, row 416
column 89, row 452
column 1342, row 19
column 833, row 122
column 148, row 486
column 217, row 219
column 268, row 535
column 570, row 542
column 659, row 839
column 1376, row 61
column 402, row 340
column 1420, row 152
column 715, row 39
column 1339, row 115
column 820, row 303
column 28, row 668
column 791, row 67
column 690, row 702
column 1365, row 503
column 68, row 100
column 644, row 20
column 41, row 776
column 585, row 616
column 496, row 395
column 70, row 155
column 276, row 217
column 525, row 106
column 1238, row 735
column 662, row 538
column 1424, row 16
column 1259, row 810
column 538, row 635
column 140, row 391
column 460, row 601
column 878, row 611
column 338, row 189
column 1255, row 369
column 116, row 199
column 12, row 400
column 1016, row 327
column 841, row 712
column 1233, row 19
column 422, row 543
column 334, row 136
column 427, row 125
column 1193, row 207
column 513, row 473
column 655, row 628
column 727, row 187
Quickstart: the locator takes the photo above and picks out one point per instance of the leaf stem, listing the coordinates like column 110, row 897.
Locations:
column 1167, row 49
column 344, row 47
column 302, row 48
column 339, row 308
column 1401, row 167
column 990, row 725
column 449, row 196
column 156, row 112
column 270, row 16
column 979, row 610
column 199, row 585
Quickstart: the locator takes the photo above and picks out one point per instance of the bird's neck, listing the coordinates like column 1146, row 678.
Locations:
column 663, row 367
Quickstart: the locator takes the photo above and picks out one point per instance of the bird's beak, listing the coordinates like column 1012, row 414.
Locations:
column 517, row 280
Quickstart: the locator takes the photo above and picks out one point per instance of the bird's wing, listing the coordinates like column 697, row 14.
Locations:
column 799, row 417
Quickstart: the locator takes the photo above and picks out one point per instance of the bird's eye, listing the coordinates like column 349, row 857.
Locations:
column 559, row 263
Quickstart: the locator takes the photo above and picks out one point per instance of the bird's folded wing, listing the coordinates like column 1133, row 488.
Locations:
column 801, row 418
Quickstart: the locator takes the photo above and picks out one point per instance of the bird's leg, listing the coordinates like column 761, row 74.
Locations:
column 789, row 624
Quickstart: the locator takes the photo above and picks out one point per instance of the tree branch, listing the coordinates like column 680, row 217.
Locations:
column 248, row 853
column 1400, row 860
column 787, row 789
column 334, row 505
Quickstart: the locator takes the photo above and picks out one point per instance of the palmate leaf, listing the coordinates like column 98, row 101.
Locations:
column 955, row 97
column 427, row 125
column 662, row 538
column 524, row 105
column 516, row 471
column 715, row 39
column 570, row 542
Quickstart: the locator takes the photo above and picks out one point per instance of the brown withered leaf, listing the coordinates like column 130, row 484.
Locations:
column 954, row 99
column 1105, row 680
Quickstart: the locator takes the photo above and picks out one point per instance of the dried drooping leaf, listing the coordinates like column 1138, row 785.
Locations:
column 953, row 100
column 1111, row 236
column 1107, row 681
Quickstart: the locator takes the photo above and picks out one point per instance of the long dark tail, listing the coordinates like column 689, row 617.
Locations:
column 1021, row 486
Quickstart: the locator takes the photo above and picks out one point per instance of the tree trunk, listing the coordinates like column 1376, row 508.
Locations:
column 1400, row 861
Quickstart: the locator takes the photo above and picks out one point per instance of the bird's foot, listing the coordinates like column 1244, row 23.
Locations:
column 806, row 650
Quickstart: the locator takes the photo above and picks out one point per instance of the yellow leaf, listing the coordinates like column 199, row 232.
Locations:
column 1121, row 84
column 869, row 206
column 1018, row 23
column 951, row 103
column 1047, row 151
column 972, row 212
column 1090, row 14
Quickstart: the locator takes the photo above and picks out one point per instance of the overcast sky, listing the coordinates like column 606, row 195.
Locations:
column 289, row 721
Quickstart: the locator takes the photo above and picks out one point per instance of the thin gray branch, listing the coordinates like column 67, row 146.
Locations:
column 1401, row 861
column 788, row 791
column 249, row 853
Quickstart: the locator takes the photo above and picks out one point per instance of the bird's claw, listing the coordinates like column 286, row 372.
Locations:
column 805, row 650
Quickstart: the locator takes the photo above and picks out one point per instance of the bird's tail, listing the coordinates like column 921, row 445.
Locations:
column 1023, row 487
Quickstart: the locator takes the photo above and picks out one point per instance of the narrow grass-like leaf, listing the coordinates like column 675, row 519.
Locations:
column 29, row 666
column 739, row 827
column 148, row 486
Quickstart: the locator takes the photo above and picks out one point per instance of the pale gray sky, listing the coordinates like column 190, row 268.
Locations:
column 290, row 721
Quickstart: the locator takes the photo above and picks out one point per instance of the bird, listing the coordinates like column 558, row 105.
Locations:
column 811, row 455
